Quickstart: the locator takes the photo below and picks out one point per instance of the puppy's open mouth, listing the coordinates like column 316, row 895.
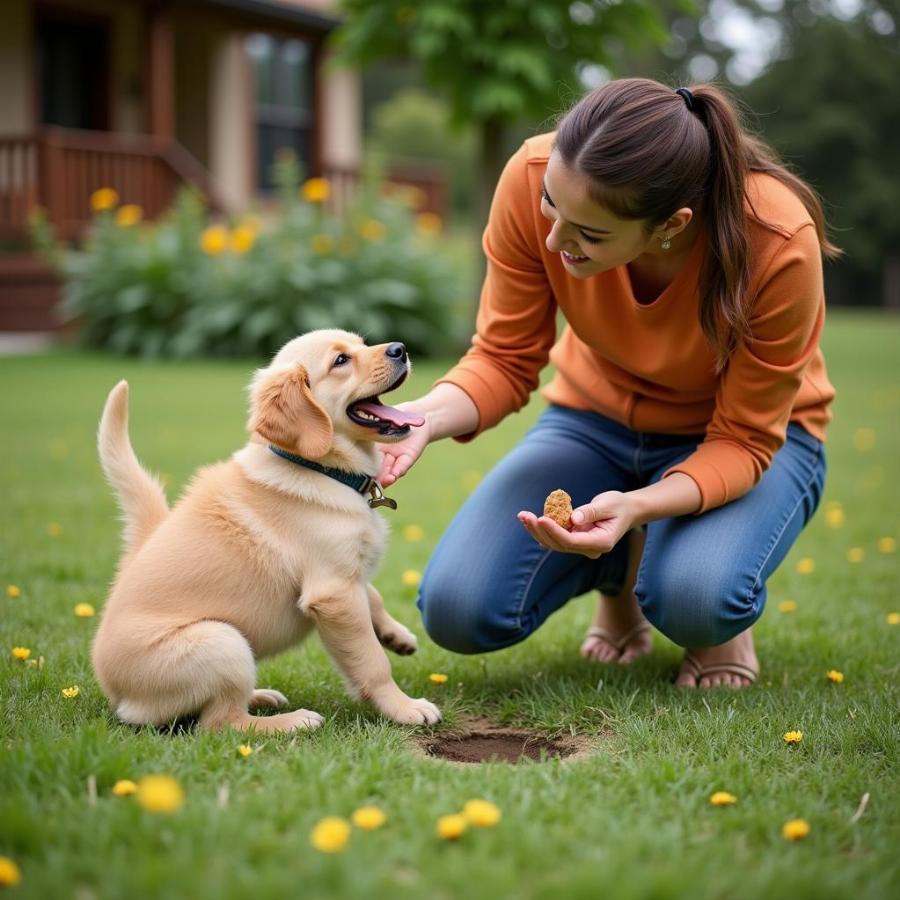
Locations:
column 387, row 420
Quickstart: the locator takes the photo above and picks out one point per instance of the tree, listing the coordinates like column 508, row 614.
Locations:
column 830, row 107
column 496, row 61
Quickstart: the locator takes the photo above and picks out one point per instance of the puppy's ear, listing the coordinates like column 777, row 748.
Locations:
column 286, row 414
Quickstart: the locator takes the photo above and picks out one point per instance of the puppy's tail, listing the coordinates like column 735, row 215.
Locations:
column 141, row 497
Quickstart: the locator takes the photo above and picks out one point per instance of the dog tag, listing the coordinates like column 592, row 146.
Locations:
column 377, row 498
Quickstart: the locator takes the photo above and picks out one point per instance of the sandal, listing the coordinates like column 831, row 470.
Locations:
column 620, row 642
column 697, row 670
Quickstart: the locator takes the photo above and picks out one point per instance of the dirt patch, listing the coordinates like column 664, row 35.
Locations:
column 478, row 741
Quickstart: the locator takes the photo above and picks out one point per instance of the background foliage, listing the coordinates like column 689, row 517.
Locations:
column 183, row 287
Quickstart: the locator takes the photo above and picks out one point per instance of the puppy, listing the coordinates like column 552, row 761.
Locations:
column 260, row 550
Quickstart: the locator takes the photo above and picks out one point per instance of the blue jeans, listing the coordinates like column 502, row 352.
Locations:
column 701, row 580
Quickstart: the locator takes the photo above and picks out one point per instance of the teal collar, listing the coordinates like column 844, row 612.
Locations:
column 361, row 483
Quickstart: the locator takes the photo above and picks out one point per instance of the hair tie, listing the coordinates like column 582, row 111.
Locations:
column 688, row 97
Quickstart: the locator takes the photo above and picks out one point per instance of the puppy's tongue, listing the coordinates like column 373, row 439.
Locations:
column 390, row 414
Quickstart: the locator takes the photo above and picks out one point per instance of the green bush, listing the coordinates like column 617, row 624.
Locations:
column 182, row 287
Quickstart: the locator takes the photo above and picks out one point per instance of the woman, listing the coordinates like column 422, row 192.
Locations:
column 690, row 400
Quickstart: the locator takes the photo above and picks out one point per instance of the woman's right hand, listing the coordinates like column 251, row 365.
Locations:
column 448, row 411
column 398, row 458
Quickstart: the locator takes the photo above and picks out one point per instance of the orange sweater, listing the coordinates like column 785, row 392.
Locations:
column 650, row 366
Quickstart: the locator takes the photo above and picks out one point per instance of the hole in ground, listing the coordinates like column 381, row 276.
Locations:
column 483, row 742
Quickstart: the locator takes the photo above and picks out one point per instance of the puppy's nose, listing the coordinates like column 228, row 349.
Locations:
column 396, row 351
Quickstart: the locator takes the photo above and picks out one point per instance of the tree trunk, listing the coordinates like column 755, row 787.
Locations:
column 490, row 165
column 890, row 281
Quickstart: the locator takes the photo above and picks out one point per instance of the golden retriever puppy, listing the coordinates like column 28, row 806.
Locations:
column 260, row 549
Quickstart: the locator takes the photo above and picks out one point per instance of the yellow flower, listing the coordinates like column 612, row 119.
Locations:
column 124, row 788
column 885, row 545
column 13, row 591
column 834, row 676
column 330, row 835
column 438, row 678
column 369, row 818
column 70, row 693
column 322, row 244
column 893, row 618
column 242, row 239
column 315, row 190
column 413, row 533
column 411, row 577
column 864, row 439
column 793, row 737
column 855, row 554
column 21, row 652
column 103, row 199
column 481, row 813
column 451, row 827
column 54, row 529
column 834, row 516
column 722, row 798
column 245, row 750
column 84, row 610
column 213, row 240
column 806, row 565
column 373, row 230
column 10, row 875
column 795, row 830
column 129, row 214
column 429, row 224
column 787, row 606
column 414, row 197
column 160, row 794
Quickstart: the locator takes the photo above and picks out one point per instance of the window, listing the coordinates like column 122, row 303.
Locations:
column 284, row 101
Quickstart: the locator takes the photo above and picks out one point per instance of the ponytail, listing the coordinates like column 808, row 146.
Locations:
column 649, row 150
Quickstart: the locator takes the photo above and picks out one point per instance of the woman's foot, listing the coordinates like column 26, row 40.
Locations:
column 732, row 664
column 620, row 632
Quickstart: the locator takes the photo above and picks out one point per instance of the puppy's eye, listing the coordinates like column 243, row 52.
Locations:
column 341, row 360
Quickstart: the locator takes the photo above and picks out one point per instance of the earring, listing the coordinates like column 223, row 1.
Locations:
column 666, row 242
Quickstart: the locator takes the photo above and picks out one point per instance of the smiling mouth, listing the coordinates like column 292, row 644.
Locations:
column 370, row 412
column 573, row 259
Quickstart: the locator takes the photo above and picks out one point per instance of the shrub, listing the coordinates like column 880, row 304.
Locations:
column 187, row 287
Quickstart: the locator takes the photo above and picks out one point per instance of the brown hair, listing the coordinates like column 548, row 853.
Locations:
column 648, row 152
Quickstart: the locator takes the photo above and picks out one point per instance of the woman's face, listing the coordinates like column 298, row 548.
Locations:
column 588, row 237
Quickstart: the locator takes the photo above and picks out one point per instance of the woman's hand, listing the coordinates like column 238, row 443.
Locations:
column 597, row 526
column 448, row 411
column 397, row 458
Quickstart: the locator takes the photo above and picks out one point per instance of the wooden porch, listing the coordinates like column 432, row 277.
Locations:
column 58, row 170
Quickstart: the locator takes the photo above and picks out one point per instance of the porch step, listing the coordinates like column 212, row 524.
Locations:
column 29, row 291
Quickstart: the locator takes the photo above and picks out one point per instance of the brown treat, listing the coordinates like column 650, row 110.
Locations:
column 558, row 506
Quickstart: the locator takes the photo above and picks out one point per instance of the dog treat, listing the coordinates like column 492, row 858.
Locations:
column 558, row 506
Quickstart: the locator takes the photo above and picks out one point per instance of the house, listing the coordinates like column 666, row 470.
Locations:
column 146, row 95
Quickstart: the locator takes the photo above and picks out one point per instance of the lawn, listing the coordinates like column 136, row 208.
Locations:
column 632, row 819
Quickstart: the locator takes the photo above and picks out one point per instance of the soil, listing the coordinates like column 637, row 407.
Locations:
column 480, row 741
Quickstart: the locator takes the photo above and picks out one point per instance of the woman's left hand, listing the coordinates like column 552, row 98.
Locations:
column 597, row 526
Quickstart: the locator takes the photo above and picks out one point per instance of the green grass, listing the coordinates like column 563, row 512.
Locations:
column 633, row 820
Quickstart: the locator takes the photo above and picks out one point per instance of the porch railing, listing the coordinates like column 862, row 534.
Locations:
column 59, row 169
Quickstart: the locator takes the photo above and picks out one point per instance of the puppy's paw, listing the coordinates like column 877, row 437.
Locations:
column 417, row 711
column 399, row 639
column 267, row 697
column 305, row 718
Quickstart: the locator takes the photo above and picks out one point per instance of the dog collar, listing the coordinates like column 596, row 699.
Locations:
column 362, row 484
